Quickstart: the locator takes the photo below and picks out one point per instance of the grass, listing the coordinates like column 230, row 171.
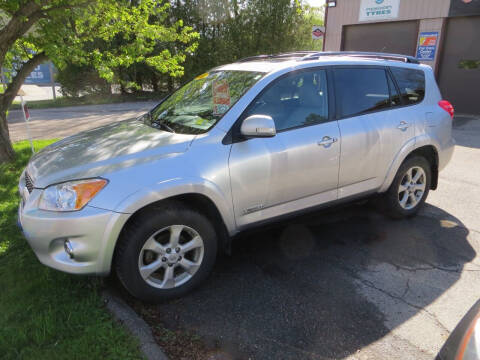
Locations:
column 88, row 100
column 46, row 314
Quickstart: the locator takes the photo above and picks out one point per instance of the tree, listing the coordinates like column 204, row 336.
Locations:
column 233, row 29
column 230, row 30
column 106, row 34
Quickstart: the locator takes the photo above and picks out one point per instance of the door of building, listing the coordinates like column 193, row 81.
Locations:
column 459, row 73
column 399, row 37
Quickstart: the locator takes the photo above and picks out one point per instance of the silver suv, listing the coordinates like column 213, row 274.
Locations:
column 155, row 198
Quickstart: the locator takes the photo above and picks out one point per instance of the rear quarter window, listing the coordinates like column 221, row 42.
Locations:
column 411, row 84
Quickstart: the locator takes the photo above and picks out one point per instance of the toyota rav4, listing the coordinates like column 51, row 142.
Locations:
column 154, row 199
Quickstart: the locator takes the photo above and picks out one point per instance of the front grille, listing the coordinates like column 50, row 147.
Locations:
column 28, row 182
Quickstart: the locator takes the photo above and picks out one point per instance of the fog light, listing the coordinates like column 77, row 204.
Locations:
column 68, row 249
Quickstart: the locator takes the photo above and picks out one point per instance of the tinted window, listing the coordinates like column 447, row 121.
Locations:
column 360, row 90
column 411, row 83
column 298, row 99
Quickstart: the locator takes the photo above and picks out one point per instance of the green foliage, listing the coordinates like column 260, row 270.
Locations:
column 469, row 64
column 147, row 42
column 45, row 314
column 105, row 34
column 230, row 30
column 81, row 79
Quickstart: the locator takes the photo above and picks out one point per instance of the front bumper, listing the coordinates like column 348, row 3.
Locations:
column 91, row 232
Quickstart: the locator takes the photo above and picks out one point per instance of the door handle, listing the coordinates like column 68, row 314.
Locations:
column 326, row 141
column 403, row 125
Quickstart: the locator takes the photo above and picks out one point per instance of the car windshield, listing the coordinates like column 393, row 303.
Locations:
column 197, row 106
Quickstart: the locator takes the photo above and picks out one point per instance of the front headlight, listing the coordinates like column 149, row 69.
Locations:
column 71, row 195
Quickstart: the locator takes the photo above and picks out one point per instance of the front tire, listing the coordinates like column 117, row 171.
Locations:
column 409, row 188
column 165, row 252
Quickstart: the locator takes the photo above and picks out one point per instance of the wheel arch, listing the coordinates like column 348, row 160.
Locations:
column 197, row 201
column 431, row 155
column 427, row 150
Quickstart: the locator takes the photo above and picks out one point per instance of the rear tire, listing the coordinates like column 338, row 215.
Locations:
column 409, row 188
column 165, row 252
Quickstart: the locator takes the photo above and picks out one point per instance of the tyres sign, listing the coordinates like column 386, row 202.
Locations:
column 372, row 10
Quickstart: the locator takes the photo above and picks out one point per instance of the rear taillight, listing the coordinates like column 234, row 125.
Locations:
column 445, row 105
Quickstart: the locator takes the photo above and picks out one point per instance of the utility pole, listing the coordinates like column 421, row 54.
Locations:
column 52, row 81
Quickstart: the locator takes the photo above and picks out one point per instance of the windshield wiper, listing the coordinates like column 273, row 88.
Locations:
column 164, row 126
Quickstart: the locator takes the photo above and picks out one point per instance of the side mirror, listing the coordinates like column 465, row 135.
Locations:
column 258, row 126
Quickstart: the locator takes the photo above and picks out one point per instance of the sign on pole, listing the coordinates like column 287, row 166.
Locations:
column 318, row 32
column 52, row 81
column 427, row 45
column 40, row 75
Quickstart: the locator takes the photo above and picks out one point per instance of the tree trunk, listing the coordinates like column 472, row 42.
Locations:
column 123, row 91
column 6, row 99
column 6, row 149
column 155, row 83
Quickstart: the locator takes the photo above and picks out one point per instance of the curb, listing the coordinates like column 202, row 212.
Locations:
column 135, row 325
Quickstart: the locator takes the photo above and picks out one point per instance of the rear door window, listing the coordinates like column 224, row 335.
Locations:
column 360, row 90
column 411, row 83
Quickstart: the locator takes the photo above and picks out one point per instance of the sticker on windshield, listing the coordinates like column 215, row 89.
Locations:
column 221, row 97
column 202, row 76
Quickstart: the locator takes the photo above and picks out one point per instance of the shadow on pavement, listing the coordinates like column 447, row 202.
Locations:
column 295, row 291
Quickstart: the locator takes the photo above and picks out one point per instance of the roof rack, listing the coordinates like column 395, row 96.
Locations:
column 312, row 55
column 287, row 55
column 370, row 55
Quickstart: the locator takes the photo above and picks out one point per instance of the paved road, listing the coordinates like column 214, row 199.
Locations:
column 349, row 283
column 62, row 122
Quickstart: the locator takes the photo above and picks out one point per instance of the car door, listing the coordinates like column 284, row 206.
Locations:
column 372, row 131
column 402, row 116
column 298, row 167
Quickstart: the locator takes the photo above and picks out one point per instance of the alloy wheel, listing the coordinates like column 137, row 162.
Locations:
column 171, row 256
column 412, row 187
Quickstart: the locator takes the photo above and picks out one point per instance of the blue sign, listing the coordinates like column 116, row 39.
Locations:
column 427, row 46
column 41, row 75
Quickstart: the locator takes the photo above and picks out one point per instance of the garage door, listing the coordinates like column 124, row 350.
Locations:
column 459, row 75
column 394, row 37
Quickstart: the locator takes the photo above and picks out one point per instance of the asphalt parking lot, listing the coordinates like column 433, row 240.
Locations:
column 349, row 282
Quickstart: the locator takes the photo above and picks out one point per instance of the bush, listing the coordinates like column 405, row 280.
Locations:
column 78, row 80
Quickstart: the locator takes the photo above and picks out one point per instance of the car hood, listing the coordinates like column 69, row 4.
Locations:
column 100, row 151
